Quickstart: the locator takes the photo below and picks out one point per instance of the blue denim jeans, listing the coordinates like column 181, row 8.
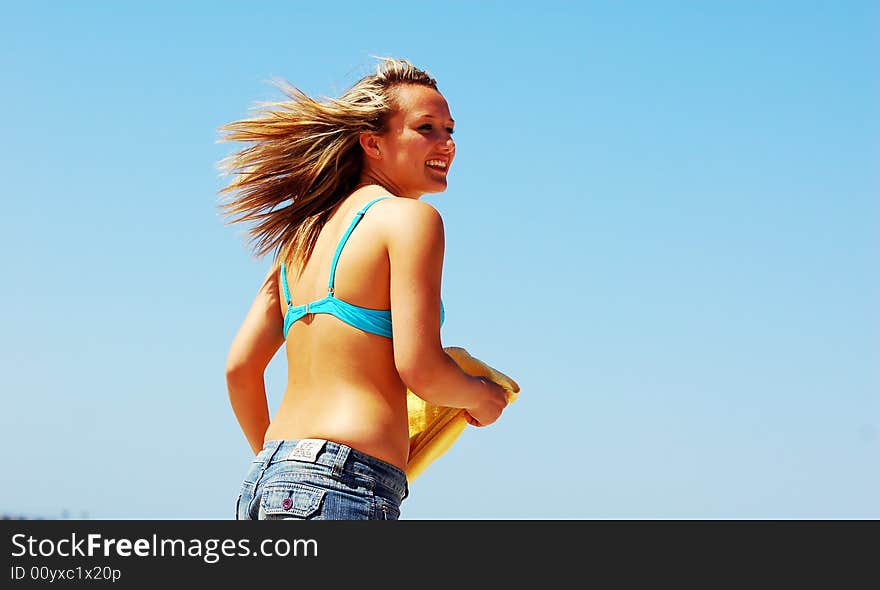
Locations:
column 316, row 479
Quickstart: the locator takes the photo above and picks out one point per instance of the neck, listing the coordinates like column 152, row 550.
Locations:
column 376, row 178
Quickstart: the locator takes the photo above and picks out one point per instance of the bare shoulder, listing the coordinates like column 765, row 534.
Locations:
column 409, row 219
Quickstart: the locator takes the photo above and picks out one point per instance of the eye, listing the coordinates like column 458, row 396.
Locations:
column 429, row 127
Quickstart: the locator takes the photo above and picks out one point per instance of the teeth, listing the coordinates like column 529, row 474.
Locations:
column 438, row 163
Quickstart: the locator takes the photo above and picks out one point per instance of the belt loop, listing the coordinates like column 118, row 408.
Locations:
column 277, row 444
column 340, row 459
column 265, row 466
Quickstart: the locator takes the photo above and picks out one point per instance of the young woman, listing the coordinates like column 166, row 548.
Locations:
column 333, row 187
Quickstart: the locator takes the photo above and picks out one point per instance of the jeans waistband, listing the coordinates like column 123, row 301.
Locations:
column 341, row 458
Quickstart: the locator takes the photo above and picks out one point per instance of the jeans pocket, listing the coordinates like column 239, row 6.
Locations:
column 293, row 500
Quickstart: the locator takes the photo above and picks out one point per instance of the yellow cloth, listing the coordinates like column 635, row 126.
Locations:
column 433, row 429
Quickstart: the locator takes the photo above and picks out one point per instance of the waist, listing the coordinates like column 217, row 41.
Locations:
column 340, row 457
column 390, row 446
column 373, row 422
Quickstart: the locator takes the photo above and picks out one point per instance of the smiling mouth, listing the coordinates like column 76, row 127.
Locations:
column 438, row 165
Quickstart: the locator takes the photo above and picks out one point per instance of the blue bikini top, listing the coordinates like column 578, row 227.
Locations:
column 375, row 321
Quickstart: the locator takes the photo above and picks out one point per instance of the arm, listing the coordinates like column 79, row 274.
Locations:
column 258, row 339
column 416, row 245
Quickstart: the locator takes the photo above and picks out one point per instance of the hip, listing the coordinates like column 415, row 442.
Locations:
column 319, row 479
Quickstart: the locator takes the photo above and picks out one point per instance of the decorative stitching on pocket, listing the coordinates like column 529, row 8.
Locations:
column 297, row 500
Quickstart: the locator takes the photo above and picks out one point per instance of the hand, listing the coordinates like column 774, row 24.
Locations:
column 489, row 410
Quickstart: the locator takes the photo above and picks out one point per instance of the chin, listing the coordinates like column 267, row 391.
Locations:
column 436, row 186
column 430, row 187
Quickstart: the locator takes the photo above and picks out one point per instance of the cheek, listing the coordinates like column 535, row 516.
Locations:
column 414, row 151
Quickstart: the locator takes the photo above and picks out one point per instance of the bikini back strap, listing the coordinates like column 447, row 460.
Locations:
column 284, row 283
column 358, row 216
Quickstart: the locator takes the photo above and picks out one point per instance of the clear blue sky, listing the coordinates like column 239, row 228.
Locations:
column 662, row 222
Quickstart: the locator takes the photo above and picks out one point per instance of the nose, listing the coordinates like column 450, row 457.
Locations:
column 448, row 144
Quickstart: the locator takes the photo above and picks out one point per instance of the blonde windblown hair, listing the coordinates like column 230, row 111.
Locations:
column 305, row 158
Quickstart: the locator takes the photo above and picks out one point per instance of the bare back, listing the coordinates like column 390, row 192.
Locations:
column 342, row 382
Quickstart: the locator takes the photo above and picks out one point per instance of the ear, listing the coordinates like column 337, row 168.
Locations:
column 370, row 144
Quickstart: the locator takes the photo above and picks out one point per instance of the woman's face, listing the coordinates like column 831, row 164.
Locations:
column 416, row 150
